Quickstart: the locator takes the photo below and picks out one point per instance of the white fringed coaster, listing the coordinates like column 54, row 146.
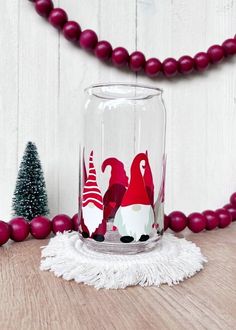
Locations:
column 172, row 261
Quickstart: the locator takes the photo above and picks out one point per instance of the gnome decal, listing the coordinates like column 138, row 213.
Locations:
column 148, row 181
column 161, row 196
column 92, row 222
column 135, row 216
column 118, row 184
column 159, row 205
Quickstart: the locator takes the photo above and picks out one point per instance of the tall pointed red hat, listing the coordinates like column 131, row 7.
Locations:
column 118, row 175
column 148, row 180
column 91, row 192
column 136, row 192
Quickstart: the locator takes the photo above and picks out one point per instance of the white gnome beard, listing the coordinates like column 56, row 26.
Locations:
column 92, row 216
column 134, row 220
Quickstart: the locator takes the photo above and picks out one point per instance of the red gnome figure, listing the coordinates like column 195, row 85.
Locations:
column 161, row 196
column 135, row 217
column 148, row 180
column 117, row 187
column 92, row 222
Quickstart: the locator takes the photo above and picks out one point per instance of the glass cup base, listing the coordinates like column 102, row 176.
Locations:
column 121, row 248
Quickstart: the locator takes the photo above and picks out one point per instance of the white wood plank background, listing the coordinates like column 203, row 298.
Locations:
column 42, row 78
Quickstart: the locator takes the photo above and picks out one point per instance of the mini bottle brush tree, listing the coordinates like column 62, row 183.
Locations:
column 30, row 196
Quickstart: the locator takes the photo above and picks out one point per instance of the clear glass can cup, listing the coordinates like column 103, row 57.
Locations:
column 122, row 168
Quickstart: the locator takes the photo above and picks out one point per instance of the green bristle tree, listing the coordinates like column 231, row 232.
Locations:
column 30, row 196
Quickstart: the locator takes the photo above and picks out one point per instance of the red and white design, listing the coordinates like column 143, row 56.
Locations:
column 118, row 184
column 135, row 216
column 92, row 204
column 161, row 196
column 148, row 180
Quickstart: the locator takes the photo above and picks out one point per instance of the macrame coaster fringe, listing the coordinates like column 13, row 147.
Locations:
column 172, row 261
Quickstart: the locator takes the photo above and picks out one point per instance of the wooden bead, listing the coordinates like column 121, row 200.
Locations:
column 233, row 199
column 229, row 47
column 120, row 57
column 232, row 210
column 61, row 223
column 201, row 61
column 88, row 39
column 20, row 229
column 170, row 67
column 153, row 67
column 58, row 18
column 178, row 221
column 75, row 222
column 103, row 50
column 216, row 54
column 212, row 220
column 40, row 227
column 196, row 222
column 224, row 218
column 4, row 232
column 72, row 31
column 185, row 64
column 43, row 7
column 137, row 61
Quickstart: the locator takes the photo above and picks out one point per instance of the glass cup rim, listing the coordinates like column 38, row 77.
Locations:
column 153, row 91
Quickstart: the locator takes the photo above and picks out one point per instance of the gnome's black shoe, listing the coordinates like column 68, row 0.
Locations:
column 98, row 238
column 144, row 238
column 160, row 232
column 85, row 235
column 126, row 239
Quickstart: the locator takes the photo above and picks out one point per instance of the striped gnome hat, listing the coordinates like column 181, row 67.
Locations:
column 91, row 192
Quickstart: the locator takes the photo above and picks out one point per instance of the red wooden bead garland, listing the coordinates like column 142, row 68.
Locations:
column 40, row 227
column 4, row 232
column 120, row 57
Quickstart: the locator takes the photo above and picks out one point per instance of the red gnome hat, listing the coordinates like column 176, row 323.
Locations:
column 118, row 175
column 91, row 192
column 136, row 192
column 161, row 196
column 148, row 180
